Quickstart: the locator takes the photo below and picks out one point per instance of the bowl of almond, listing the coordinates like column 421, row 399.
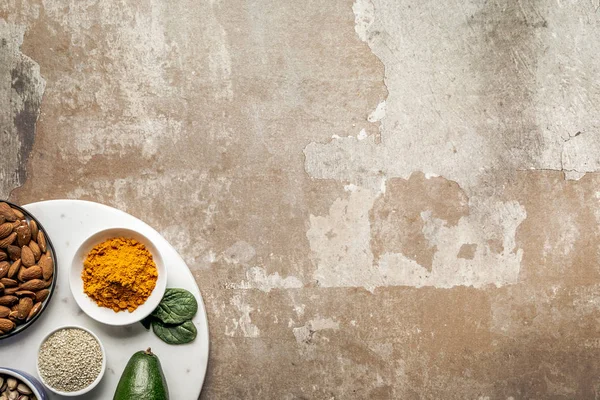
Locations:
column 27, row 269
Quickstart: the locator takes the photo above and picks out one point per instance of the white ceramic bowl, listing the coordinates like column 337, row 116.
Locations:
column 104, row 314
column 98, row 378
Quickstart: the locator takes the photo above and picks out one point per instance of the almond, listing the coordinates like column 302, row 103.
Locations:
column 33, row 227
column 3, row 256
column 27, row 257
column 34, row 285
column 14, row 252
column 25, row 293
column 1, row 288
column 41, row 295
column 5, row 230
column 34, row 310
column 27, row 274
column 4, row 311
column 41, row 241
column 23, row 235
column 6, row 325
column 2, row 219
column 8, row 214
column 47, row 265
column 8, row 240
column 4, row 267
column 13, row 316
column 14, row 269
column 11, row 291
column 25, row 306
column 8, row 283
column 8, row 300
column 18, row 213
column 35, row 249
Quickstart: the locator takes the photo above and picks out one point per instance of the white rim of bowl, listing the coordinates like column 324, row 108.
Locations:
column 30, row 384
column 84, row 390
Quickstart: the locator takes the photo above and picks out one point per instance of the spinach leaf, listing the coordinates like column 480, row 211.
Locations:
column 176, row 306
column 175, row 334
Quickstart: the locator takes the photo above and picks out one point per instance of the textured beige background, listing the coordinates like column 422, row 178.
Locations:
column 384, row 199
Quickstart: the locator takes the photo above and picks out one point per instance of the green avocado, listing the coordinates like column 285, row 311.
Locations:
column 142, row 379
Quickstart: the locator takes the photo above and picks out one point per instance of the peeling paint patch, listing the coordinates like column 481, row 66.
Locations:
column 21, row 91
column 257, row 278
column 243, row 325
column 304, row 334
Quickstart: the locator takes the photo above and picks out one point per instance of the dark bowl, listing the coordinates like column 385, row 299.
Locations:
column 28, row 216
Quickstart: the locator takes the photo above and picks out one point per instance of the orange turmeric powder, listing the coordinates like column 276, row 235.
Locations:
column 119, row 273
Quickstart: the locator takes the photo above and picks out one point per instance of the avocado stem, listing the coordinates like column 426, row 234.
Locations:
column 149, row 351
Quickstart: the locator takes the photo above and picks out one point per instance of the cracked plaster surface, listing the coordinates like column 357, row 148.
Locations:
column 378, row 199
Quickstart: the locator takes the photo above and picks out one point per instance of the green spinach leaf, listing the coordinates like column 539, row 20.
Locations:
column 175, row 334
column 176, row 307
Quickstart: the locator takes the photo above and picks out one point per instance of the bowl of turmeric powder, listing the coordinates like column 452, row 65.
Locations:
column 118, row 276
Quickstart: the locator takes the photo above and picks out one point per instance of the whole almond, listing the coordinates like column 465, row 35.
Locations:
column 8, row 240
column 47, row 264
column 14, row 269
column 27, row 257
column 3, row 256
column 35, row 249
column 25, row 293
column 27, row 274
column 6, row 325
column 14, row 252
column 7, row 213
column 1, row 288
column 34, row 285
column 13, row 316
column 8, row 283
column 41, row 295
column 8, row 300
column 33, row 227
column 5, row 230
column 11, row 290
column 4, row 267
column 4, row 311
column 34, row 310
column 25, row 306
column 18, row 213
column 41, row 241
column 23, row 235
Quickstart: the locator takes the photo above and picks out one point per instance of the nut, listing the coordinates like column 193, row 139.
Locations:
column 3, row 256
column 4, row 267
column 6, row 325
column 33, row 227
column 34, row 310
column 41, row 241
column 14, row 252
column 4, row 311
column 8, row 300
column 33, row 285
column 27, row 274
column 27, row 257
column 7, row 212
column 25, row 306
column 47, row 264
column 25, row 293
column 41, row 295
column 5, row 229
column 23, row 235
column 8, row 240
column 35, row 249
column 14, row 269
column 8, row 283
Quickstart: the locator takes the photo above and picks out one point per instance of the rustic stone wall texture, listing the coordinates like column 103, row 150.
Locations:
column 379, row 199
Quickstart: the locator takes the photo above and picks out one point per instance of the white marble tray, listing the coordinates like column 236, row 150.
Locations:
column 69, row 223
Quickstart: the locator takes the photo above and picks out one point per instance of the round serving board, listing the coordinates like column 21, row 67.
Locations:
column 69, row 223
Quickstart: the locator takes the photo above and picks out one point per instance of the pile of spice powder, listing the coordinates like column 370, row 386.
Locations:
column 70, row 360
column 119, row 273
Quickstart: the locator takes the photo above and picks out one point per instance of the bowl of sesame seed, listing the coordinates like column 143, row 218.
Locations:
column 71, row 361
